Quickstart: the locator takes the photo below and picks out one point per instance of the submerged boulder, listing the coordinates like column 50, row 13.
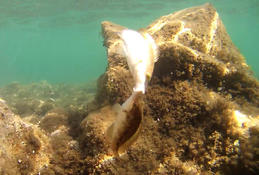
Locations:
column 199, row 115
column 201, row 107
column 25, row 149
column 40, row 145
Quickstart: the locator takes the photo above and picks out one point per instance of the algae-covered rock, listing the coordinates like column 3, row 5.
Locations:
column 25, row 149
column 201, row 107
column 42, row 138
column 37, row 99
column 200, row 111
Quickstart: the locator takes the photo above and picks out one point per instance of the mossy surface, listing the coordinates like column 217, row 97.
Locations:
column 40, row 98
column 201, row 84
column 42, row 135
column 198, row 81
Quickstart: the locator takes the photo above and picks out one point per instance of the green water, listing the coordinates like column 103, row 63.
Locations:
column 60, row 40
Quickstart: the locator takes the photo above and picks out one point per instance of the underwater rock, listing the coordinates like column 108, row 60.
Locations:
column 93, row 130
column 37, row 99
column 201, row 107
column 25, row 149
column 53, row 120
column 43, row 140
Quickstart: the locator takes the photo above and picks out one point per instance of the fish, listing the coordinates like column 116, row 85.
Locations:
column 141, row 53
column 125, row 130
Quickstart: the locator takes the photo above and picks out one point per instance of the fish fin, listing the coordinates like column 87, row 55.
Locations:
column 122, row 148
column 128, row 104
column 134, row 125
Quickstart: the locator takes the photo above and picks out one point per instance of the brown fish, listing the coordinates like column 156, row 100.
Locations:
column 125, row 130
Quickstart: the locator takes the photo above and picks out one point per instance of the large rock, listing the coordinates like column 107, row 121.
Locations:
column 40, row 145
column 24, row 148
column 201, row 106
